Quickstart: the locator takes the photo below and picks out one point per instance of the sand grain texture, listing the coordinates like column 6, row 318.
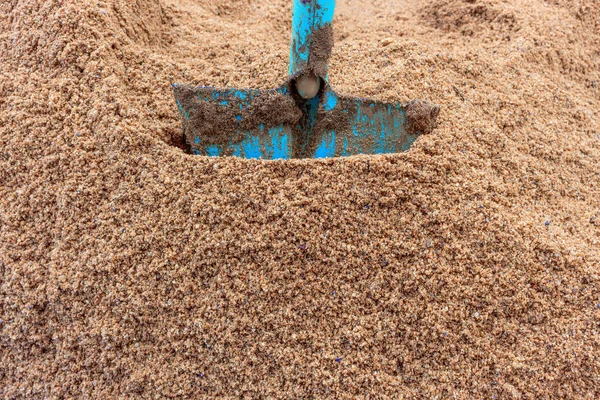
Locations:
column 467, row 267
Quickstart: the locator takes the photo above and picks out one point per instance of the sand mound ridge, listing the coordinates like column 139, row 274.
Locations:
column 466, row 267
column 472, row 17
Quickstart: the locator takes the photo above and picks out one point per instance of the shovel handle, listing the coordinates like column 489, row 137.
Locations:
column 307, row 17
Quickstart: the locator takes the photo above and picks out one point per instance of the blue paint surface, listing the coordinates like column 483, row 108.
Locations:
column 251, row 147
column 183, row 112
column 330, row 100
column 311, row 108
column 326, row 148
column 376, row 129
column 301, row 27
column 283, row 151
column 213, row 151
column 345, row 147
column 278, row 145
column 241, row 94
column 307, row 16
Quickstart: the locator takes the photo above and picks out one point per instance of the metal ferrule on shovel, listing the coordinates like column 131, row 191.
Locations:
column 304, row 117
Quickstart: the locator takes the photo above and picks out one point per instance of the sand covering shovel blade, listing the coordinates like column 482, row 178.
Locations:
column 277, row 124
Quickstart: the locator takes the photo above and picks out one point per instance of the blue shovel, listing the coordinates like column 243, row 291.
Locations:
column 304, row 117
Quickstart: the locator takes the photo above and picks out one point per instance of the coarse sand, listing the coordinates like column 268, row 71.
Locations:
column 467, row 267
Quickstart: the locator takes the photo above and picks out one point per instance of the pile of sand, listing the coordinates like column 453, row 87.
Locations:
column 467, row 267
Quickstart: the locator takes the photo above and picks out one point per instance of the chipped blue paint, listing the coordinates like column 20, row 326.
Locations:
column 284, row 149
column 278, row 145
column 302, row 25
column 330, row 100
column 327, row 11
column 183, row 112
column 356, row 135
column 238, row 117
column 311, row 107
column 213, row 151
column 307, row 16
column 380, row 143
column 345, row 147
column 326, row 148
column 251, row 147
column 241, row 94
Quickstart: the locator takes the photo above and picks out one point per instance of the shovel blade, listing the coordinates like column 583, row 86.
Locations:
column 277, row 124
